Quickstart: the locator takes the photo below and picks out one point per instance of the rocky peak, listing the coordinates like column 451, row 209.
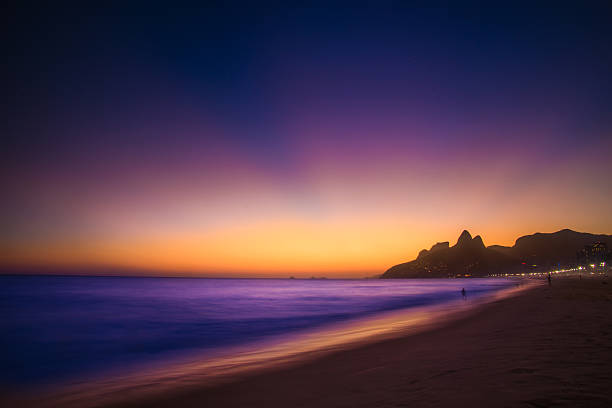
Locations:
column 439, row 246
column 465, row 239
column 477, row 242
column 422, row 253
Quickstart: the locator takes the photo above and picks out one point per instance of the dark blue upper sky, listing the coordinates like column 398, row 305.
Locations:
column 231, row 59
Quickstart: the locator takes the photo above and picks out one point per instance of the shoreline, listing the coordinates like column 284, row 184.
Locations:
column 550, row 346
column 149, row 379
column 536, row 346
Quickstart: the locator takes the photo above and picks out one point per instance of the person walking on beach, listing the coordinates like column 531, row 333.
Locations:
column 463, row 294
column 549, row 280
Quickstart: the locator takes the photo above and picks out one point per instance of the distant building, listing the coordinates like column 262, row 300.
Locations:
column 596, row 254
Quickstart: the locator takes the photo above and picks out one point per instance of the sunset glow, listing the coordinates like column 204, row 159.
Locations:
column 305, row 157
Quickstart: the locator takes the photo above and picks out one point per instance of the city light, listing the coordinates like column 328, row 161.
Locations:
column 566, row 271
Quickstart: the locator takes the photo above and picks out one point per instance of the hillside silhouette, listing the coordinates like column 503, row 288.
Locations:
column 469, row 257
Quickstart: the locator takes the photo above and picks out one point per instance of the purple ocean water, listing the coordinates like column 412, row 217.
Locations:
column 59, row 327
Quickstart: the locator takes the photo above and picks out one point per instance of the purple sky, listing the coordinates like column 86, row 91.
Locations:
column 274, row 139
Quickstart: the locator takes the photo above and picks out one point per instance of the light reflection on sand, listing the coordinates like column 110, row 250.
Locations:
column 214, row 368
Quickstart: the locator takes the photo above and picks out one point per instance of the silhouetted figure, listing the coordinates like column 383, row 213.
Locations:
column 463, row 294
column 549, row 279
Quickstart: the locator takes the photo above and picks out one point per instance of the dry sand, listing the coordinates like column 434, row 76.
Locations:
column 551, row 346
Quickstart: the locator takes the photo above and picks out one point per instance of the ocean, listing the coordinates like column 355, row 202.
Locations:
column 55, row 328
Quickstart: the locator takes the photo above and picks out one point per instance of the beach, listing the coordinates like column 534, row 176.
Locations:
column 531, row 345
column 335, row 204
column 549, row 346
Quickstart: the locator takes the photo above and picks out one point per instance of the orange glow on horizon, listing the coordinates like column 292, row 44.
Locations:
column 343, row 222
column 282, row 248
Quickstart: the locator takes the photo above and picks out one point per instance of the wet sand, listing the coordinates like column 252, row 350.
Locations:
column 549, row 346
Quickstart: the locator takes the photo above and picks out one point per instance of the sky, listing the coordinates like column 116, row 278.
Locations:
column 326, row 139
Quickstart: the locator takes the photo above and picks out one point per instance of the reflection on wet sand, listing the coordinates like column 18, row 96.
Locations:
column 214, row 368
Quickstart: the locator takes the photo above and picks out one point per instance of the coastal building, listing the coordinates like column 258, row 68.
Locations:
column 596, row 255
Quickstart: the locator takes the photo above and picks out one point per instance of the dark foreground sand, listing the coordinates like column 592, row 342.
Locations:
column 551, row 346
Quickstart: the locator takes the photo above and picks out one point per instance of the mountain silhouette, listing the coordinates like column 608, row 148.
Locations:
column 470, row 257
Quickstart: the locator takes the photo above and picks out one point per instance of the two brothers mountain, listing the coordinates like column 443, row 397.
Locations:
column 470, row 257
